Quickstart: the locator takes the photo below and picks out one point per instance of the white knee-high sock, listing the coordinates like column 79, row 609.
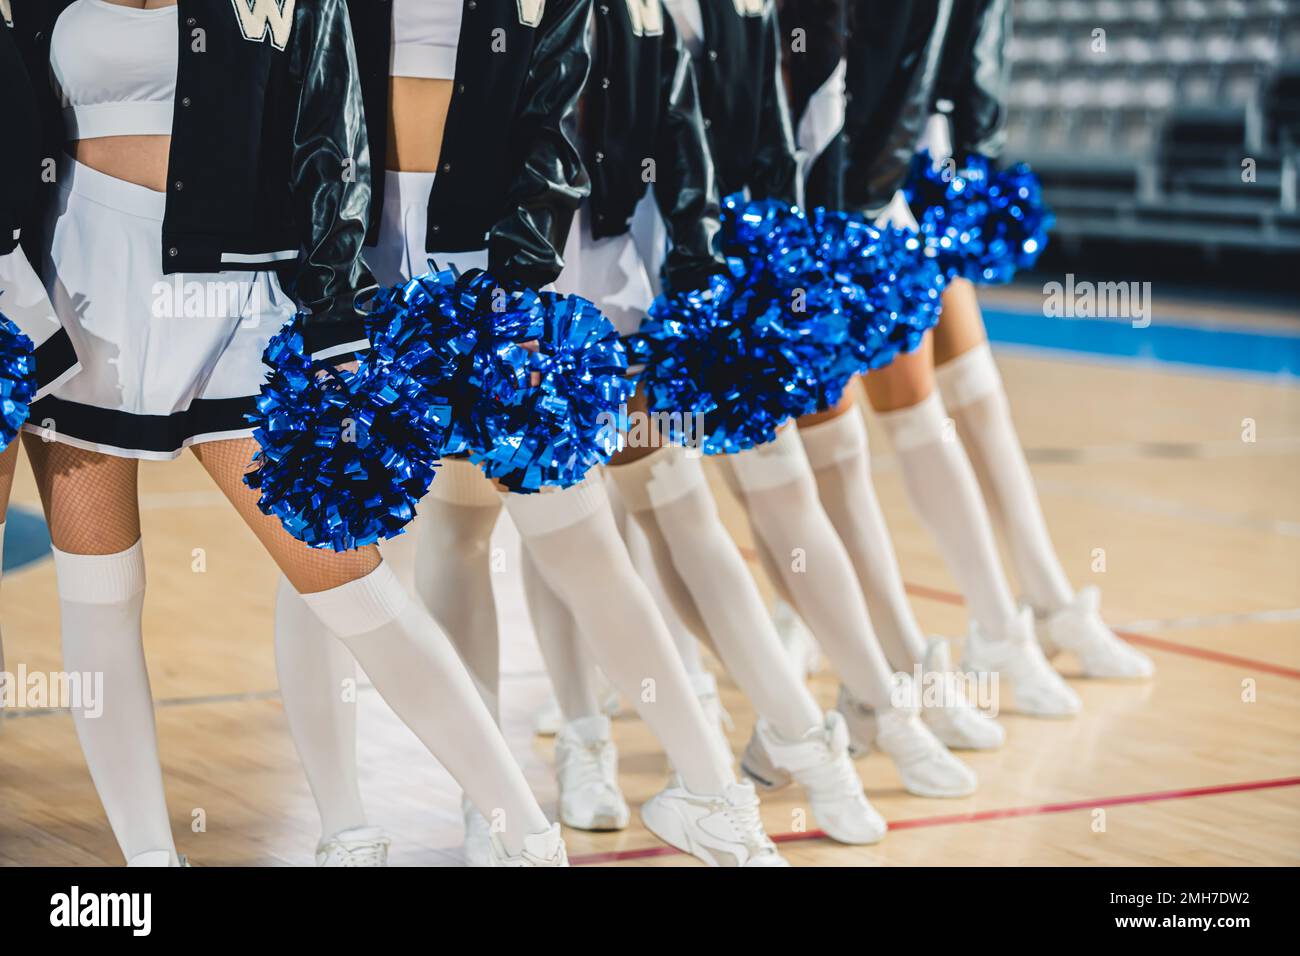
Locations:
column 685, row 638
column 417, row 671
column 453, row 568
column 942, row 489
column 972, row 391
column 313, row 668
column 669, row 497
column 568, row 662
column 780, row 494
column 101, row 598
column 837, row 451
column 577, row 548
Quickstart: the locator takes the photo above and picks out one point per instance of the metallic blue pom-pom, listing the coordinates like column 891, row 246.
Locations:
column 17, row 380
column 979, row 223
column 727, row 365
column 456, row 338
column 556, row 432
column 344, row 456
column 888, row 291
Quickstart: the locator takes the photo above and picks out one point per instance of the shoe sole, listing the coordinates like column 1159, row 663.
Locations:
column 604, row 823
column 669, row 827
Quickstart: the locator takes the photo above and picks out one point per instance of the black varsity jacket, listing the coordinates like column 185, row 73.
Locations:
column 641, row 107
column 509, row 177
column 973, row 75
column 813, row 36
column 269, row 163
column 20, row 156
column 742, row 97
column 893, row 61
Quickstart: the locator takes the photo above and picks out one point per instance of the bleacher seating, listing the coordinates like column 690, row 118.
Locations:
column 1141, row 132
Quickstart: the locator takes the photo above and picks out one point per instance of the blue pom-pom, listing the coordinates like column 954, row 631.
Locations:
column 979, row 223
column 457, row 336
column 17, row 380
column 558, row 431
column 344, row 456
column 727, row 365
column 888, row 291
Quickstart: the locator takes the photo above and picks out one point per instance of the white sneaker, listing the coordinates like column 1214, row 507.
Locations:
column 1080, row 630
column 549, row 720
column 953, row 719
column 720, row 829
column 157, row 858
column 820, row 761
column 360, row 846
column 478, row 836
column 797, row 641
column 1039, row 690
column 540, row 849
column 586, row 769
column 924, row 764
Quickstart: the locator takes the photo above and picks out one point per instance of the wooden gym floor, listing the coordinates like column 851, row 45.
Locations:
column 1201, row 535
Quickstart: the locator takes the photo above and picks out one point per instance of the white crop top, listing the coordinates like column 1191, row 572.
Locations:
column 114, row 69
column 425, row 36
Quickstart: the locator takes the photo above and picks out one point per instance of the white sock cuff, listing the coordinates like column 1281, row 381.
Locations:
column 779, row 462
column 924, row 423
column 360, row 606
column 835, row 440
column 545, row 512
column 99, row 578
column 460, row 482
column 658, row 479
column 968, row 377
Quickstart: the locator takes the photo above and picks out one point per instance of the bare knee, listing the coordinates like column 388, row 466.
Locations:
column 905, row 382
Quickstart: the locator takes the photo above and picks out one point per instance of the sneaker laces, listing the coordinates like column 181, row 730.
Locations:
column 918, row 742
column 746, row 821
column 362, row 853
column 585, row 763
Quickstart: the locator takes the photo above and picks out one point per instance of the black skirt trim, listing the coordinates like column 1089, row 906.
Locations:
column 54, row 357
column 160, row 434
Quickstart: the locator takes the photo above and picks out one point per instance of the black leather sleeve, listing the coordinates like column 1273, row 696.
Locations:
column 893, row 60
column 776, row 167
column 974, row 75
column 329, row 178
column 525, row 246
column 685, row 187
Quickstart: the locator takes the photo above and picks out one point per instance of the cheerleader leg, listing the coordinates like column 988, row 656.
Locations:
column 316, row 672
column 836, row 444
column 94, row 520
column 943, row 491
column 409, row 659
column 972, row 391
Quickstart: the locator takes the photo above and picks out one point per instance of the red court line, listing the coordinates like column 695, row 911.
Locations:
column 616, row 856
column 1173, row 647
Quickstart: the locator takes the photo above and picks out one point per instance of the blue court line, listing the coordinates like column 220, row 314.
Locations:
column 26, row 539
column 1261, row 352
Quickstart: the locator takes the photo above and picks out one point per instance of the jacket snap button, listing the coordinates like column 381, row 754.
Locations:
column 185, row 101
column 435, row 227
column 708, row 123
column 190, row 21
column 179, row 185
column 600, row 157
column 604, row 83
column 446, row 167
column 713, row 55
column 173, row 252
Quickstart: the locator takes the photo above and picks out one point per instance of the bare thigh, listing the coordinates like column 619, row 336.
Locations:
column 961, row 324
column 308, row 569
column 904, row 382
column 8, row 462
